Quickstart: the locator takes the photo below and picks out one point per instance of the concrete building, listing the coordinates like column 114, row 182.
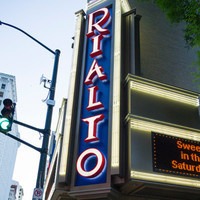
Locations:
column 164, row 56
column 130, row 128
column 8, row 146
column 16, row 191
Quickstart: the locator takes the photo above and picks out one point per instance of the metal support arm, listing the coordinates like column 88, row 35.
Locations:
column 23, row 142
column 29, row 126
column 10, row 25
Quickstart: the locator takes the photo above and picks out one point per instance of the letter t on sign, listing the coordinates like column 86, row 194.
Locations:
column 92, row 127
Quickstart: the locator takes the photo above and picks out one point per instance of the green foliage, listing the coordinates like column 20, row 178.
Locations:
column 187, row 11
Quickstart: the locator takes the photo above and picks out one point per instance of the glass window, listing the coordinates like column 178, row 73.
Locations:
column 1, row 94
column 3, row 86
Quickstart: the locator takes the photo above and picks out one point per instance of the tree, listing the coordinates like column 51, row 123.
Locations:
column 187, row 11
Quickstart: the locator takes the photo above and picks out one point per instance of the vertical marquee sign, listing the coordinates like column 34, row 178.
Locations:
column 92, row 159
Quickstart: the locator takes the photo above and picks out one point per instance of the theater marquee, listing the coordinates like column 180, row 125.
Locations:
column 175, row 155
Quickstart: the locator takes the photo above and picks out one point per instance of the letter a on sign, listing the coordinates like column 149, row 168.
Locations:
column 95, row 69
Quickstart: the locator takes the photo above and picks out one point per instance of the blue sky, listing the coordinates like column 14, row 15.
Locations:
column 53, row 23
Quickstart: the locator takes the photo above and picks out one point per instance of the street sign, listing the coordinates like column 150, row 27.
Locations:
column 37, row 194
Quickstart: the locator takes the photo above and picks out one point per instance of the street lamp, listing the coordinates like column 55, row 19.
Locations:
column 50, row 104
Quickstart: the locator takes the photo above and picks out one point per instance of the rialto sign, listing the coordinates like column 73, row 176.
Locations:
column 92, row 159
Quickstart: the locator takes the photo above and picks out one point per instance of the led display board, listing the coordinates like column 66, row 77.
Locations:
column 174, row 155
column 92, row 160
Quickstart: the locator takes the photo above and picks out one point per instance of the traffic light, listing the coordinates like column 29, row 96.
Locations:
column 6, row 117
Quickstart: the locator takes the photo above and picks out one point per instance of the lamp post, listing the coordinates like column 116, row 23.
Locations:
column 50, row 104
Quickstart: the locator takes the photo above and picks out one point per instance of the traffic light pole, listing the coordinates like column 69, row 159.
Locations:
column 47, row 129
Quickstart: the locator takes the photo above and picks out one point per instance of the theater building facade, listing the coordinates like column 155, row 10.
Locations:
column 130, row 126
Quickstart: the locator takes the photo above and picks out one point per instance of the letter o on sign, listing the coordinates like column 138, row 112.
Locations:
column 82, row 159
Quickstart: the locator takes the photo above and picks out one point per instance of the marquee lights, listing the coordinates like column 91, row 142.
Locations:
column 165, row 92
column 91, row 163
column 165, row 128
column 165, row 179
column 170, row 130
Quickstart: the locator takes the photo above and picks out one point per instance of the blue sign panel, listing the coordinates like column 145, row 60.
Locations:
column 91, row 163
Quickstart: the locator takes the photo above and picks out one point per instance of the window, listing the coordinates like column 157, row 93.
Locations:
column 1, row 94
column 3, row 86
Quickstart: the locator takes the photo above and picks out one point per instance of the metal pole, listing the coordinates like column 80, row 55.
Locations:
column 40, row 43
column 50, row 104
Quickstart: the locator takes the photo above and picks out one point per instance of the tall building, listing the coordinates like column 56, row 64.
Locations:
column 8, row 146
column 16, row 191
column 130, row 128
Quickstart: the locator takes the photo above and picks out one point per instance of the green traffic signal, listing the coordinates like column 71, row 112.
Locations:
column 7, row 114
column 5, row 124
